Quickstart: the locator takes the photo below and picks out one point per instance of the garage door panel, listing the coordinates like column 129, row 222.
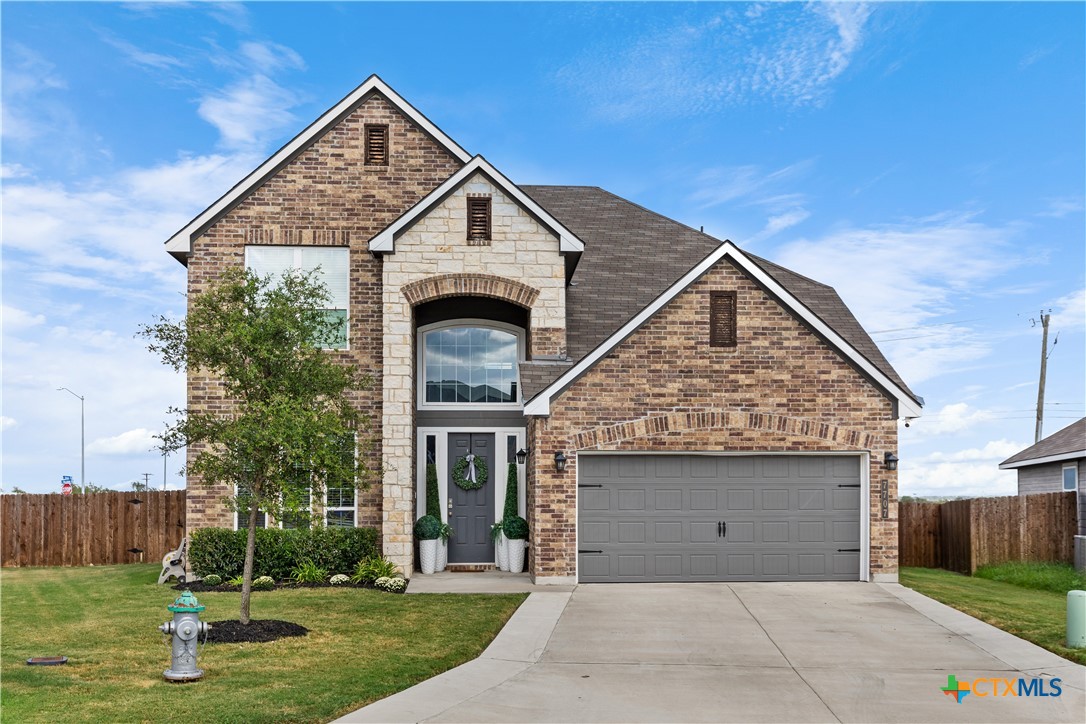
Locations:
column 657, row 518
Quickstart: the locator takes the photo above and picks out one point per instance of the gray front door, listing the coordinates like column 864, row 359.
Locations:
column 718, row 518
column 471, row 512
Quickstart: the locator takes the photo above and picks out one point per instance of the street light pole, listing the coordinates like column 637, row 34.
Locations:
column 82, row 439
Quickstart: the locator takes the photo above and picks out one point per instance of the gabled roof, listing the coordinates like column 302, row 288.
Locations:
column 908, row 405
column 633, row 255
column 1067, row 444
column 180, row 244
column 385, row 241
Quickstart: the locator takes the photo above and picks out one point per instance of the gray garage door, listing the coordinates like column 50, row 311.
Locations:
column 718, row 518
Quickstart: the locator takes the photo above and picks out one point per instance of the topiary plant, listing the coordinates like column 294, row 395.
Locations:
column 515, row 528
column 433, row 500
column 511, row 493
column 428, row 528
column 212, row 580
column 263, row 583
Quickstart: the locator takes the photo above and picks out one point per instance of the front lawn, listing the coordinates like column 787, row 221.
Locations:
column 1034, row 615
column 363, row 645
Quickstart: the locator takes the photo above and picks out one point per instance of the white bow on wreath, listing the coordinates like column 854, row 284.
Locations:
column 470, row 476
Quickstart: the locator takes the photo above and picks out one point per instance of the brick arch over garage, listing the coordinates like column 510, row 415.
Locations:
column 469, row 285
column 606, row 436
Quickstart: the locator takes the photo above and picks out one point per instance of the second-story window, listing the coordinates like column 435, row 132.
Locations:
column 470, row 365
column 334, row 273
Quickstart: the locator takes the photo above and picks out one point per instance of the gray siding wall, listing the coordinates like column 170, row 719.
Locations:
column 1048, row 478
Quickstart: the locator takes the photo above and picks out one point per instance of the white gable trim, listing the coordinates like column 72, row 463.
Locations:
column 1042, row 460
column 181, row 242
column 385, row 241
column 540, row 404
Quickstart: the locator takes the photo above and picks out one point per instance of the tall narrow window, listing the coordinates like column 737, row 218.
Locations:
column 339, row 501
column 478, row 219
column 376, row 145
column 1070, row 476
column 241, row 517
column 722, row 319
column 334, row 265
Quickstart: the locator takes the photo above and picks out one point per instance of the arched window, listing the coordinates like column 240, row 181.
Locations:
column 469, row 362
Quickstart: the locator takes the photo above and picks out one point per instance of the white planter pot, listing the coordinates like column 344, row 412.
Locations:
column 428, row 555
column 515, row 549
column 501, row 552
column 442, row 555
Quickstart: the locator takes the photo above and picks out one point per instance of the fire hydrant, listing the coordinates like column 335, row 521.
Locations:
column 185, row 628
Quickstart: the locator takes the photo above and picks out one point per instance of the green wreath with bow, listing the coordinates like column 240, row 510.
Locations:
column 461, row 472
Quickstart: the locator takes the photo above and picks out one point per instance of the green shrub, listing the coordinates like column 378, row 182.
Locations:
column 237, row 581
column 433, row 500
column 212, row 580
column 278, row 552
column 511, row 493
column 308, row 572
column 515, row 528
column 370, row 569
column 264, row 583
column 427, row 528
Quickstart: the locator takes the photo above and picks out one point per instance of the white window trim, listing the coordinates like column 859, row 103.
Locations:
column 420, row 365
column 441, row 451
column 296, row 266
column 1063, row 477
column 271, row 522
column 325, row 509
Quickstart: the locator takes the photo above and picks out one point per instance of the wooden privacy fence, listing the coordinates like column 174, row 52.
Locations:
column 962, row 535
column 91, row 529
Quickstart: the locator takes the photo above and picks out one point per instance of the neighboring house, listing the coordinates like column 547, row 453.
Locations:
column 1057, row 462
column 720, row 417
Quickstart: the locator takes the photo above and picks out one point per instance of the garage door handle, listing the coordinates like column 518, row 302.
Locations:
column 581, row 550
column 849, row 485
column 589, row 486
column 848, row 550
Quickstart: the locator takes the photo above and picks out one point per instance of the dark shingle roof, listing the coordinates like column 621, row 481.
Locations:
column 1070, row 439
column 632, row 255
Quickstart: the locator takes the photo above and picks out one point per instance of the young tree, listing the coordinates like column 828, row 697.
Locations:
column 290, row 419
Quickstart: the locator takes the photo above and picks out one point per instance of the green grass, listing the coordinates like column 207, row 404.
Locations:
column 1055, row 577
column 363, row 645
column 1035, row 615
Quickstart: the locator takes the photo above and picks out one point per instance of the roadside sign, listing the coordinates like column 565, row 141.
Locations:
column 66, row 485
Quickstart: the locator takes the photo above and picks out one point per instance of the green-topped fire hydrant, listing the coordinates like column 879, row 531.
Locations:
column 185, row 628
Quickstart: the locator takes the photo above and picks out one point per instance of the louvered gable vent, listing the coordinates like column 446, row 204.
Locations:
column 478, row 219
column 376, row 145
column 722, row 319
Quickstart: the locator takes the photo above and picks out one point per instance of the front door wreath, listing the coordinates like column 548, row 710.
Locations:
column 469, row 472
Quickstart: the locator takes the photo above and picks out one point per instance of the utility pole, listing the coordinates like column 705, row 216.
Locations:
column 1041, row 383
column 82, row 437
column 147, row 481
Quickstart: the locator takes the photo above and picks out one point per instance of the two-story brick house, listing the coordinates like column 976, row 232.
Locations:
column 683, row 410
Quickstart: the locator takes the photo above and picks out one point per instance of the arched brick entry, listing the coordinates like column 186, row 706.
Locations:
column 476, row 285
column 603, row 437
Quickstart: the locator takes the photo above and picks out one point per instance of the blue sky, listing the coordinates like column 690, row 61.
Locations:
column 927, row 160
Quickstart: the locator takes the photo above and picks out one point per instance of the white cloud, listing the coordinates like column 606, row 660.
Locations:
column 7, row 422
column 1069, row 312
column 951, row 419
column 965, row 479
column 13, row 170
column 270, row 57
column 777, row 224
column 994, row 450
column 1062, row 206
column 142, row 57
column 132, row 441
column 15, row 318
column 249, row 112
column 912, row 274
column 750, row 186
column 788, row 54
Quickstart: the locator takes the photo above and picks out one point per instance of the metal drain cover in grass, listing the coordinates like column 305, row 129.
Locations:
column 47, row 660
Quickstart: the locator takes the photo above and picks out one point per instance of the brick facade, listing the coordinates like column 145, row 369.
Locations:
column 325, row 196
column 782, row 389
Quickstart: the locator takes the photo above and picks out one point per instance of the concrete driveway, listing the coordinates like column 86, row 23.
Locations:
column 750, row 652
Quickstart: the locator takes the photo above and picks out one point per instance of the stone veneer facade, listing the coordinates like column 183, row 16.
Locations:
column 433, row 259
column 782, row 389
column 324, row 196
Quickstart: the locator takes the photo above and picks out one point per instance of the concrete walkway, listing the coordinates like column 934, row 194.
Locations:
column 493, row 581
column 751, row 652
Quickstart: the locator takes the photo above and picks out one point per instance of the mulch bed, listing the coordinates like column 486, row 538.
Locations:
column 255, row 632
column 201, row 587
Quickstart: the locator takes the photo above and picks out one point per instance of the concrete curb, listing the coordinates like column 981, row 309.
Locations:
column 519, row 645
column 1017, row 653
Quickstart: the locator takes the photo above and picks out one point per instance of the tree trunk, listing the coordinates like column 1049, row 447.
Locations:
column 247, row 572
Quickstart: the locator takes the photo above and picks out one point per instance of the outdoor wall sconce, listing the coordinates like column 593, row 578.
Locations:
column 890, row 461
column 522, row 455
column 560, row 461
